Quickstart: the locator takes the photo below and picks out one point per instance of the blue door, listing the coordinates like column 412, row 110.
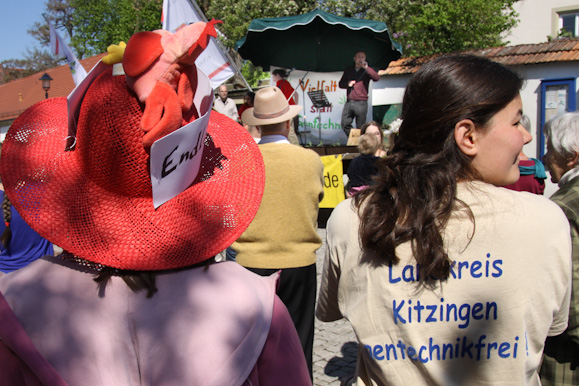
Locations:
column 557, row 96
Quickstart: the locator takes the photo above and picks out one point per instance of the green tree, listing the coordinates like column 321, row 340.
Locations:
column 426, row 27
column 423, row 27
column 458, row 25
column 34, row 61
column 253, row 74
column 117, row 21
column 88, row 35
column 89, row 26
column 58, row 12
column 237, row 14
column 14, row 69
column 38, row 58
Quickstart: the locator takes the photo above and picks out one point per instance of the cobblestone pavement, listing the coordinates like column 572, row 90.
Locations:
column 335, row 345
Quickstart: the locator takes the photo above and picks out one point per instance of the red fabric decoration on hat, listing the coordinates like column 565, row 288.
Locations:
column 185, row 92
column 201, row 44
column 155, row 68
column 143, row 49
column 162, row 114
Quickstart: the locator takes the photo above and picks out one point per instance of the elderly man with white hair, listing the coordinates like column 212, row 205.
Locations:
column 561, row 355
column 224, row 105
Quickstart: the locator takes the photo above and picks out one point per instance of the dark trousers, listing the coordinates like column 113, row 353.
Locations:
column 297, row 290
column 354, row 109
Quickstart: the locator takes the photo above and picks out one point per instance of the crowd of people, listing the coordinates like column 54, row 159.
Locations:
column 446, row 276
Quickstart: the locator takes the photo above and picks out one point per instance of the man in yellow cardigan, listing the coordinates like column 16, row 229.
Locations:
column 283, row 234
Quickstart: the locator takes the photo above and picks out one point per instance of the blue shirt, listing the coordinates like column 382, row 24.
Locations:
column 25, row 246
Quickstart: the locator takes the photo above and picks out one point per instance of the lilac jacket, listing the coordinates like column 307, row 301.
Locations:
column 220, row 325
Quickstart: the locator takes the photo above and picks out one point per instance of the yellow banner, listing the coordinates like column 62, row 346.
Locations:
column 333, row 181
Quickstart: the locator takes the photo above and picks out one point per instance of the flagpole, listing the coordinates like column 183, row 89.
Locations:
column 59, row 47
column 223, row 49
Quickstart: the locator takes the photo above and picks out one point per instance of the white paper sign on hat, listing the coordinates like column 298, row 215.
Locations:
column 175, row 159
column 74, row 99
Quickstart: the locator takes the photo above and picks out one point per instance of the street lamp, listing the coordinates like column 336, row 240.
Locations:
column 46, row 84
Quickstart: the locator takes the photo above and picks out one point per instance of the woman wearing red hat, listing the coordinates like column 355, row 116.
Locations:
column 137, row 299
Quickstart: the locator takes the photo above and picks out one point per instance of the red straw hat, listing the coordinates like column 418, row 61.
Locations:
column 96, row 202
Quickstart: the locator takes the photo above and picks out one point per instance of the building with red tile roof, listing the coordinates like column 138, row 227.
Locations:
column 550, row 71
column 18, row 95
column 564, row 50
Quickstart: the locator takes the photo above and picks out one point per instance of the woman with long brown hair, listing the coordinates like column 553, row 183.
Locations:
column 445, row 278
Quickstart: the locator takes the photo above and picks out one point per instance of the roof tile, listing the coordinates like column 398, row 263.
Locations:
column 565, row 50
column 20, row 94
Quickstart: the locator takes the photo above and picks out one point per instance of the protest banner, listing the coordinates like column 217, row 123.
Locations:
column 333, row 181
column 321, row 126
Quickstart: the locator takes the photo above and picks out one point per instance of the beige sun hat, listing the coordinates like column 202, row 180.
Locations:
column 270, row 106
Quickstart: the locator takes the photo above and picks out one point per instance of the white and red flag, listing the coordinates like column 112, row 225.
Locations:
column 58, row 47
column 212, row 61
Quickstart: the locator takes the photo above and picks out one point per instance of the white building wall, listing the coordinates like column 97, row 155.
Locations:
column 389, row 90
column 538, row 19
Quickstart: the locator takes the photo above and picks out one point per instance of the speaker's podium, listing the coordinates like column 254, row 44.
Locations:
column 319, row 101
column 354, row 137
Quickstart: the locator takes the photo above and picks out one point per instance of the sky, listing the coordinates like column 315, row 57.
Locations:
column 16, row 17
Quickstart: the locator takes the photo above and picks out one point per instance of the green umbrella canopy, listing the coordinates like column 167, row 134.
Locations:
column 317, row 41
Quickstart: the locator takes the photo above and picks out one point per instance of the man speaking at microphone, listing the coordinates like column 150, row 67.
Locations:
column 355, row 80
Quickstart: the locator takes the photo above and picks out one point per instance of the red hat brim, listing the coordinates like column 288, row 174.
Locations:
column 96, row 201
